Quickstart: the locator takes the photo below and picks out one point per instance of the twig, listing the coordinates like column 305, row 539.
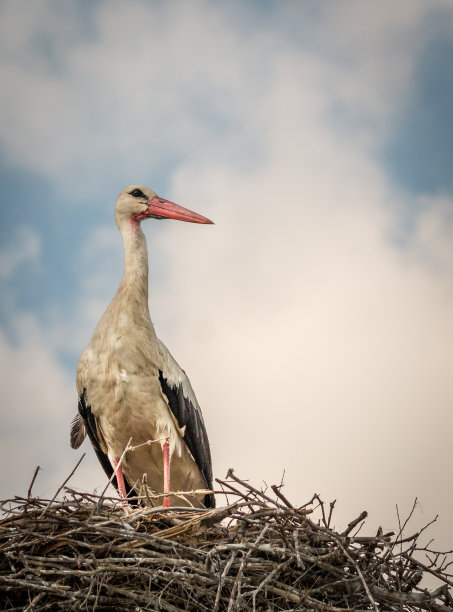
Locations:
column 254, row 554
column 245, row 558
column 353, row 523
column 33, row 482
column 279, row 494
column 357, row 568
column 60, row 488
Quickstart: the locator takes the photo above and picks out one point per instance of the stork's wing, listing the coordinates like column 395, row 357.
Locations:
column 183, row 403
column 84, row 423
column 195, row 436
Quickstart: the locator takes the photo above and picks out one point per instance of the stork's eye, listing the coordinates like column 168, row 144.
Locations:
column 137, row 193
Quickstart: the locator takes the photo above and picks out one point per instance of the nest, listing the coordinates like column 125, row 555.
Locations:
column 257, row 553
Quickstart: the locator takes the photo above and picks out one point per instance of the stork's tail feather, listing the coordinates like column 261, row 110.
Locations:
column 78, row 431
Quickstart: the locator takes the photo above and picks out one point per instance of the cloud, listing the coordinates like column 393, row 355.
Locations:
column 183, row 78
column 317, row 345
column 38, row 402
column 25, row 247
column 323, row 344
column 431, row 239
column 97, row 270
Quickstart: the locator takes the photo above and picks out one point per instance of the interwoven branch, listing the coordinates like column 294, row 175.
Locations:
column 259, row 552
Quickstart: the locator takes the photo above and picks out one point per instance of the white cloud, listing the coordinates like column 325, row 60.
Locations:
column 185, row 76
column 315, row 344
column 25, row 247
column 97, row 270
column 431, row 240
column 323, row 347
column 38, row 403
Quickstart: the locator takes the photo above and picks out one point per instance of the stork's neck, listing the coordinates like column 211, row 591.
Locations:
column 132, row 294
column 135, row 273
column 127, row 315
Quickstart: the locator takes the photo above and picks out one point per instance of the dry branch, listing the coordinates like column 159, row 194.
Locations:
column 258, row 553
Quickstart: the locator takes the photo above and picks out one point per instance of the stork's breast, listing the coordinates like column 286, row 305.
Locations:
column 125, row 395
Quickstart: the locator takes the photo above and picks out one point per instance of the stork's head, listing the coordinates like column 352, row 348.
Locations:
column 137, row 202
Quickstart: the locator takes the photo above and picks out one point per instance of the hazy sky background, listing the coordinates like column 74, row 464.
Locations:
column 315, row 319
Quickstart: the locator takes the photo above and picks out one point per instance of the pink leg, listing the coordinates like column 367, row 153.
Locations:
column 166, row 458
column 118, row 468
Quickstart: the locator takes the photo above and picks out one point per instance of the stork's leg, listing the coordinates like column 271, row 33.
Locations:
column 118, row 468
column 166, row 459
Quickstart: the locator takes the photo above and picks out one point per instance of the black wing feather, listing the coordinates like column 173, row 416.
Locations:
column 91, row 429
column 78, row 431
column 195, row 435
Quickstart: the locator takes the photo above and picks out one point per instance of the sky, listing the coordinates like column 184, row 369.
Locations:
column 315, row 318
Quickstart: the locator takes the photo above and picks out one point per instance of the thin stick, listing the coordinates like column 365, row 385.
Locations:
column 33, row 481
column 353, row 523
column 59, row 489
column 279, row 494
column 365, row 586
column 128, row 447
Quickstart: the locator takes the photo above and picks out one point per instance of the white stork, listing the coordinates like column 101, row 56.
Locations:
column 130, row 387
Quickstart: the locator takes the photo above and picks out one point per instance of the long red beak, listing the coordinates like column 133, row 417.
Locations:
column 158, row 208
